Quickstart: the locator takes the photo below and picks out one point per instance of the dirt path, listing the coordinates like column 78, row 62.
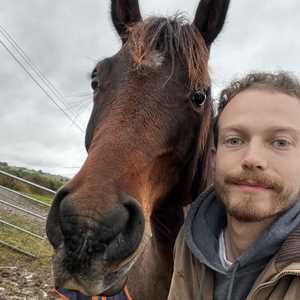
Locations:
column 24, row 279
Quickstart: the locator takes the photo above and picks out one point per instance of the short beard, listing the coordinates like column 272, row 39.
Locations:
column 244, row 211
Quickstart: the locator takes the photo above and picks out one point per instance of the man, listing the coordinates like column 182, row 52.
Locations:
column 241, row 238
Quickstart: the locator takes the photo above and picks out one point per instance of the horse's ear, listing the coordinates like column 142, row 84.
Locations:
column 210, row 18
column 123, row 14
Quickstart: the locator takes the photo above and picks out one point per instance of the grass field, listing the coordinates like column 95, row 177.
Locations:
column 22, row 221
column 43, row 198
column 40, row 248
column 24, row 241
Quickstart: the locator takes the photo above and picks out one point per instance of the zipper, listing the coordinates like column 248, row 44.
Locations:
column 273, row 282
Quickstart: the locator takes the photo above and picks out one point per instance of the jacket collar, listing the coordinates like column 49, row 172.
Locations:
column 290, row 250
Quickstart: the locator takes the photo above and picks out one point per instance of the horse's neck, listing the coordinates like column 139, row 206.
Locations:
column 150, row 277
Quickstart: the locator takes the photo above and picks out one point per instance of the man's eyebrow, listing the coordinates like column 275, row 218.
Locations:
column 289, row 129
column 274, row 129
column 238, row 129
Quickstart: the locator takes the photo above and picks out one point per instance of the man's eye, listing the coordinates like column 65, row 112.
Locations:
column 234, row 141
column 281, row 143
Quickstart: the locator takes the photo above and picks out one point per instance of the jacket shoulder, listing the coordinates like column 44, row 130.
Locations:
column 278, row 284
column 186, row 274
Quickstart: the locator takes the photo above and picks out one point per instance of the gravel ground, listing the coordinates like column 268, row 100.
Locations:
column 17, row 282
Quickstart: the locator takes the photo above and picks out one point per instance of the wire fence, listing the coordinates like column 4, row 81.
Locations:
column 23, row 215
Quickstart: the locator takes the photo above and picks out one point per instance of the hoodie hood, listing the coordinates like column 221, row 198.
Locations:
column 204, row 222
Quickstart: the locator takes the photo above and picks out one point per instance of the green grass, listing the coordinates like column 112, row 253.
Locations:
column 32, row 225
column 25, row 242
column 9, row 257
column 40, row 248
column 53, row 182
column 42, row 198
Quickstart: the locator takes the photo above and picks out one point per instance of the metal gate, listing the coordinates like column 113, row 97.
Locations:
column 28, row 215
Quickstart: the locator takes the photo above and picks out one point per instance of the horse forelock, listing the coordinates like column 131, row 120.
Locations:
column 173, row 38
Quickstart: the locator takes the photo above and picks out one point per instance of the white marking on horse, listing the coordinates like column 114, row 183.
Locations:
column 154, row 60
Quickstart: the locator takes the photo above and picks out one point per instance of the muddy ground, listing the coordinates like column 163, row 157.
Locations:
column 24, row 278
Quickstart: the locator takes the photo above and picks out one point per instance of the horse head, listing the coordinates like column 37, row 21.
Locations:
column 147, row 141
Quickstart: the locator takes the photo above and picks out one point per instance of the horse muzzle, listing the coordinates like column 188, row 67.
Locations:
column 94, row 248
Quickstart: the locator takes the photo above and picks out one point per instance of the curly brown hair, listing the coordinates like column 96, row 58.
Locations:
column 281, row 82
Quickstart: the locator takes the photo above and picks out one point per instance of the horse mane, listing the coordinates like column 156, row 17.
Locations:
column 174, row 38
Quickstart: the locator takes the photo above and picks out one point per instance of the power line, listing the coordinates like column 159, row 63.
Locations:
column 46, row 82
column 39, row 73
column 40, row 86
column 27, row 59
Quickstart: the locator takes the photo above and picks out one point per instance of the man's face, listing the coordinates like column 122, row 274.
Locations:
column 257, row 161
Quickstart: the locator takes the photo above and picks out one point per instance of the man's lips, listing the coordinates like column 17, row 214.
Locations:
column 252, row 185
column 255, row 184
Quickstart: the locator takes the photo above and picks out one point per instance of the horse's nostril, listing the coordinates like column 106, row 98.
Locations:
column 53, row 228
column 114, row 235
column 128, row 240
column 89, row 233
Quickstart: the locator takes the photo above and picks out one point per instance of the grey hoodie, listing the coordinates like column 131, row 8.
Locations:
column 203, row 225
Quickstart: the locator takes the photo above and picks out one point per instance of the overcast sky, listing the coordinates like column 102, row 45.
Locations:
column 65, row 38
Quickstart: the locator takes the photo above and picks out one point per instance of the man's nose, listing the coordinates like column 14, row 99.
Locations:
column 255, row 156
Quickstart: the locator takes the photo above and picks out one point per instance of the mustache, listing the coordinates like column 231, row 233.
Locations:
column 257, row 178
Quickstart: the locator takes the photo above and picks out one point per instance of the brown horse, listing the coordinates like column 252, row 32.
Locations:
column 116, row 221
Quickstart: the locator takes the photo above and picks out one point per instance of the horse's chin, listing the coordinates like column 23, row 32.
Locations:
column 100, row 277
column 98, row 289
column 95, row 280
column 116, row 288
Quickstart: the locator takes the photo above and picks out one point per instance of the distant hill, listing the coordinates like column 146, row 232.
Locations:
column 50, row 181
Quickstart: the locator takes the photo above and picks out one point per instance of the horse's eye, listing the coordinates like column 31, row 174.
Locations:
column 199, row 97
column 94, row 83
column 94, row 78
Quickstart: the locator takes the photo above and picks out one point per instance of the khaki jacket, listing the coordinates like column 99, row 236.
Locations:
column 280, row 280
